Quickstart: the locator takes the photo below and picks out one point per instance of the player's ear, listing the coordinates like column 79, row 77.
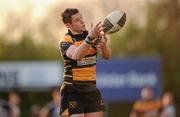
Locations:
column 68, row 25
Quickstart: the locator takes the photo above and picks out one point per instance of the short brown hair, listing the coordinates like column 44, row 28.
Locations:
column 66, row 15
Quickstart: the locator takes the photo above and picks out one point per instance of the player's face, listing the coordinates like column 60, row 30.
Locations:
column 167, row 99
column 147, row 94
column 77, row 25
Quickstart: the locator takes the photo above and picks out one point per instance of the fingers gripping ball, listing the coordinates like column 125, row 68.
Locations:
column 114, row 21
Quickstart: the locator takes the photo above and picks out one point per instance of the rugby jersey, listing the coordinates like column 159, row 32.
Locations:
column 78, row 71
column 147, row 108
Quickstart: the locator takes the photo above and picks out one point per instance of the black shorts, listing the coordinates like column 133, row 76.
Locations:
column 76, row 102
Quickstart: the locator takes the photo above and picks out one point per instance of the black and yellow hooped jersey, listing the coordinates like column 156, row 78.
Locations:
column 78, row 70
column 149, row 108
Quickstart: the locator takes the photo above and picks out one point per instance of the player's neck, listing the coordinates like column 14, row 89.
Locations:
column 75, row 32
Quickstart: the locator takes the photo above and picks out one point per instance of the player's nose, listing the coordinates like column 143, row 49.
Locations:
column 82, row 22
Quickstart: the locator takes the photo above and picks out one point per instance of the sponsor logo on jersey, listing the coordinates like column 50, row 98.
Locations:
column 87, row 61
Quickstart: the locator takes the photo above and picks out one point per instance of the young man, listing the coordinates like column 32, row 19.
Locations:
column 53, row 107
column 14, row 104
column 147, row 106
column 168, row 106
column 79, row 48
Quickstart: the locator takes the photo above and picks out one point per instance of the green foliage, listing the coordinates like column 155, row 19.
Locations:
column 129, row 41
column 27, row 49
column 160, row 36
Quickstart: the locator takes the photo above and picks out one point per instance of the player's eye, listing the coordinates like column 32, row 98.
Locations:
column 78, row 19
column 81, row 18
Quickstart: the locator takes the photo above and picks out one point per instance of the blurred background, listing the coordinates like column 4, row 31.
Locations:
column 145, row 51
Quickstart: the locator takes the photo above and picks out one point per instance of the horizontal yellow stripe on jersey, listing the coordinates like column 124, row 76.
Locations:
column 84, row 74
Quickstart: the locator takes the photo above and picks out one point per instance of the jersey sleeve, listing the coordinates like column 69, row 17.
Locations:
column 65, row 43
column 137, row 106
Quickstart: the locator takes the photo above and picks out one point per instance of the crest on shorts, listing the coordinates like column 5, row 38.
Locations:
column 72, row 104
column 101, row 102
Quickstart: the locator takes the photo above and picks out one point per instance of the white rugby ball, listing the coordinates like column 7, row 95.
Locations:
column 114, row 21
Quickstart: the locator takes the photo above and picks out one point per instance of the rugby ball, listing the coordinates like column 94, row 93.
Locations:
column 114, row 21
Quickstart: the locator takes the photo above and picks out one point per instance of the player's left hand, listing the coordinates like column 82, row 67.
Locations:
column 102, row 42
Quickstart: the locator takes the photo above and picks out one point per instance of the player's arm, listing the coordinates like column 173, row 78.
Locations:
column 135, row 112
column 77, row 53
column 44, row 112
column 103, row 48
column 67, row 48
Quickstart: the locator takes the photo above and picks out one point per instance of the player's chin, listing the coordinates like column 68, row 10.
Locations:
column 83, row 29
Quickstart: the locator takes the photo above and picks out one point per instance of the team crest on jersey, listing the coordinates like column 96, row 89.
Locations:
column 64, row 45
column 72, row 104
column 101, row 102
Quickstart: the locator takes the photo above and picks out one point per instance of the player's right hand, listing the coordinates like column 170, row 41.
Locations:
column 96, row 30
